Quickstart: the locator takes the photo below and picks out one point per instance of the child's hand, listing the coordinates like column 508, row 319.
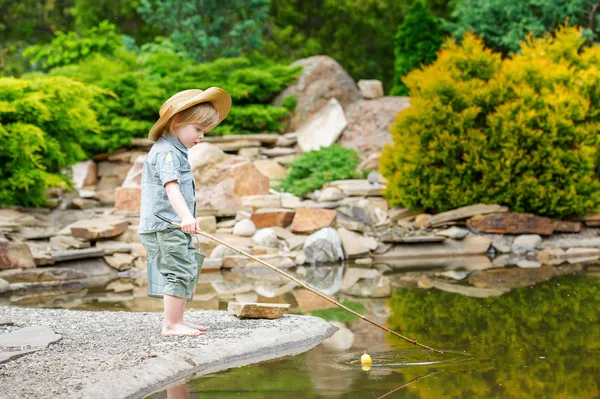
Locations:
column 189, row 225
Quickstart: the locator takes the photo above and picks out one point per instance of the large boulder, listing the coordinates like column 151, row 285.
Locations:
column 322, row 79
column 323, row 128
column 369, row 123
column 323, row 246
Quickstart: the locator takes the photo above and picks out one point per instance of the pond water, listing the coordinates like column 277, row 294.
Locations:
column 539, row 341
column 506, row 332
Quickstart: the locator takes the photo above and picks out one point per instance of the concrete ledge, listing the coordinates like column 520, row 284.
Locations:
column 122, row 355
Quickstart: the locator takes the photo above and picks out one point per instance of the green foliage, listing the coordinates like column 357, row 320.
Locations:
column 537, row 341
column 504, row 23
column 289, row 103
column 339, row 314
column 46, row 124
column 139, row 84
column 417, row 42
column 315, row 168
column 521, row 132
column 71, row 47
column 210, row 29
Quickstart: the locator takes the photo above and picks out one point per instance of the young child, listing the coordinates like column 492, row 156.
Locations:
column 168, row 189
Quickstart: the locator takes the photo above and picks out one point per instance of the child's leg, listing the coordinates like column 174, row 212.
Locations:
column 173, row 323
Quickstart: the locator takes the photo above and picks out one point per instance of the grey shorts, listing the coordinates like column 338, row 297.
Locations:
column 174, row 263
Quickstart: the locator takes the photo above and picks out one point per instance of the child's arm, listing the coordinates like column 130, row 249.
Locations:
column 188, row 221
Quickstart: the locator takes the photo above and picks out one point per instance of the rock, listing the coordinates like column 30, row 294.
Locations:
column 382, row 204
column 331, row 194
column 413, row 239
column 526, row 243
column 266, row 238
column 287, row 140
column 221, row 251
column 251, row 152
column 286, row 159
column 111, row 247
column 378, row 287
column 84, row 174
column 82, row 203
column 245, row 228
column 347, row 223
column 119, row 286
column 207, row 223
column 309, row 301
column 357, row 187
column 93, row 229
column 561, row 226
column 472, row 245
column 3, row 287
column 204, row 154
column 35, row 337
column 307, row 220
column 367, row 212
column 120, row 261
column 454, row 232
column 508, row 278
column 322, row 79
column 276, row 152
column 262, row 201
column 422, row 219
column 551, row 256
column 369, row 125
column 322, row 129
column 502, row 244
column 226, row 223
column 269, row 217
column 355, row 245
column 374, row 178
column 562, row 241
column 464, row 213
column 128, row 198
column 234, row 146
column 323, row 246
column 72, row 254
column 295, row 241
column 575, row 255
column 290, row 201
column 396, row 214
column 212, row 264
column 371, row 88
column 528, row 263
column 62, row 243
column 247, row 180
column 272, row 169
column 341, row 340
column 15, row 255
column 300, row 258
column 511, row 223
column 453, row 274
column 364, row 261
column 257, row 310
column 264, row 138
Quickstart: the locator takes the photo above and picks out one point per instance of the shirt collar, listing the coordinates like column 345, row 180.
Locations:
column 177, row 144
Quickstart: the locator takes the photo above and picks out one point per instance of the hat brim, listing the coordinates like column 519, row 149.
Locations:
column 219, row 99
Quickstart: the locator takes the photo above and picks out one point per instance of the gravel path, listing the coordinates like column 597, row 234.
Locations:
column 121, row 354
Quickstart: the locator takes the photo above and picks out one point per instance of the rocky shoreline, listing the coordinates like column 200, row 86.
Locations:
column 75, row 354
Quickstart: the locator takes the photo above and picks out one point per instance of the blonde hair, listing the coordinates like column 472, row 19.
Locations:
column 203, row 114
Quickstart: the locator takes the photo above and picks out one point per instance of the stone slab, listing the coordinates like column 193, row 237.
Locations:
column 258, row 310
column 464, row 213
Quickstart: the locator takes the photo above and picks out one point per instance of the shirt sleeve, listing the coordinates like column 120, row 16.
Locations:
column 167, row 165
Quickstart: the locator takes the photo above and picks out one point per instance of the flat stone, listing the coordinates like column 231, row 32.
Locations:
column 257, row 310
column 464, row 213
column 295, row 241
column 422, row 219
column 110, row 247
column 37, row 337
column 396, row 214
column 526, row 243
column 309, row 301
column 72, row 254
column 330, row 194
column 15, row 255
column 560, row 241
column 276, row 152
column 62, row 243
column 272, row 217
column 265, row 237
column 290, row 201
column 5, row 357
column 262, row 138
column 574, row 255
column 84, row 203
column 286, row 141
column 94, row 272
column 272, row 169
column 207, row 223
column 323, row 128
column 307, row 220
column 128, row 198
column 472, row 245
column 119, row 286
column 561, row 226
column 262, row 201
column 413, row 239
column 511, row 223
column 453, row 232
column 357, row 187
column 232, row 146
column 93, row 229
column 250, row 152
column 212, row 264
column 120, row 261
column 4, row 285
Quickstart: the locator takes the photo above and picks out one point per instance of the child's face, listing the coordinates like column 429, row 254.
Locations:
column 190, row 135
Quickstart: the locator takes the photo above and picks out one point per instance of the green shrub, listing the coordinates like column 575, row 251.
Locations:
column 417, row 42
column 521, row 132
column 69, row 48
column 46, row 124
column 315, row 168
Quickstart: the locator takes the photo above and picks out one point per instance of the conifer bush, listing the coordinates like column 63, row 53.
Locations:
column 522, row 132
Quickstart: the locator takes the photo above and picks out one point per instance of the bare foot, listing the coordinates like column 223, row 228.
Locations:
column 179, row 330
column 196, row 326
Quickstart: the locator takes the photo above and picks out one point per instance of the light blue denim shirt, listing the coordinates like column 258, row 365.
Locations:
column 167, row 161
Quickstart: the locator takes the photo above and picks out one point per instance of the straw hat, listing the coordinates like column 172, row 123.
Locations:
column 186, row 99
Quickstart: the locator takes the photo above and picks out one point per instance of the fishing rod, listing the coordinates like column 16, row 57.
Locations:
column 202, row 233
